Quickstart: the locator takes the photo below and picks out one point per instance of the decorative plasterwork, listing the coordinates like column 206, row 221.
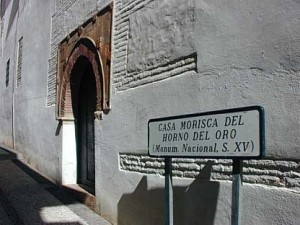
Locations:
column 91, row 40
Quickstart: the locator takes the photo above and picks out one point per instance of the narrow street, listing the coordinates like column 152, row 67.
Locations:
column 26, row 198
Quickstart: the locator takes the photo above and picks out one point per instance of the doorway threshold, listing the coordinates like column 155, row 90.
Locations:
column 83, row 194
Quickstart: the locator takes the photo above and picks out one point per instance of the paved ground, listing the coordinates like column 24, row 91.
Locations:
column 26, row 198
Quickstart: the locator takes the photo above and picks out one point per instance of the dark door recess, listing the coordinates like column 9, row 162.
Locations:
column 85, row 128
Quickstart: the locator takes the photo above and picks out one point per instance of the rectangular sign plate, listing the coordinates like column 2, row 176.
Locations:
column 231, row 133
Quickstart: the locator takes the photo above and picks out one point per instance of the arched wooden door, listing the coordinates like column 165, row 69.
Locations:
column 85, row 127
column 83, row 89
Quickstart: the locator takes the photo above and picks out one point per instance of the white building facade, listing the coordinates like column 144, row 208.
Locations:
column 81, row 79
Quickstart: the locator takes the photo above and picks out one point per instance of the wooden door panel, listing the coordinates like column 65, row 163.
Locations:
column 90, row 139
column 85, row 121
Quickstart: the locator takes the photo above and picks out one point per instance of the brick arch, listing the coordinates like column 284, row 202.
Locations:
column 85, row 47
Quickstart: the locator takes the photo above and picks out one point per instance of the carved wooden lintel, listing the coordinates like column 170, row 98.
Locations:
column 91, row 40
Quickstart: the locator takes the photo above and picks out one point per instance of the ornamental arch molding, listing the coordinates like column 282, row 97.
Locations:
column 91, row 42
column 86, row 48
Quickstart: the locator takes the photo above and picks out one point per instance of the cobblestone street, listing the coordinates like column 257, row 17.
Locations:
column 28, row 198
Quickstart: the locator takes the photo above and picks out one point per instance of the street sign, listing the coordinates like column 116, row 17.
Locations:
column 232, row 133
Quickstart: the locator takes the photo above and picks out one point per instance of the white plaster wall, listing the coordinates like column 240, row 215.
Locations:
column 247, row 54
column 38, row 135
column 35, row 128
column 169, row 58
column 37, row 131
column 130, row 114
column 69, row 153
column 6, row 93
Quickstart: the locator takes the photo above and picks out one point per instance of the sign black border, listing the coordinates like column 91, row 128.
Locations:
column 261, row 111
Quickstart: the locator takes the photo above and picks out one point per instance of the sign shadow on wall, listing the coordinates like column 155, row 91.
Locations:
column 193, row 205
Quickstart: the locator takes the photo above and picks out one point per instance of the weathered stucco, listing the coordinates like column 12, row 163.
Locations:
column 247, row 53
column 34, row 124
column 168, row 58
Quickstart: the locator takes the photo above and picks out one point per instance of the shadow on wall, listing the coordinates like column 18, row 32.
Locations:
column 193, row 205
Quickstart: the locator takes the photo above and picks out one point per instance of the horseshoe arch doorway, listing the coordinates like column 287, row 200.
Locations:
column 83, row 89
column 81, row 102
